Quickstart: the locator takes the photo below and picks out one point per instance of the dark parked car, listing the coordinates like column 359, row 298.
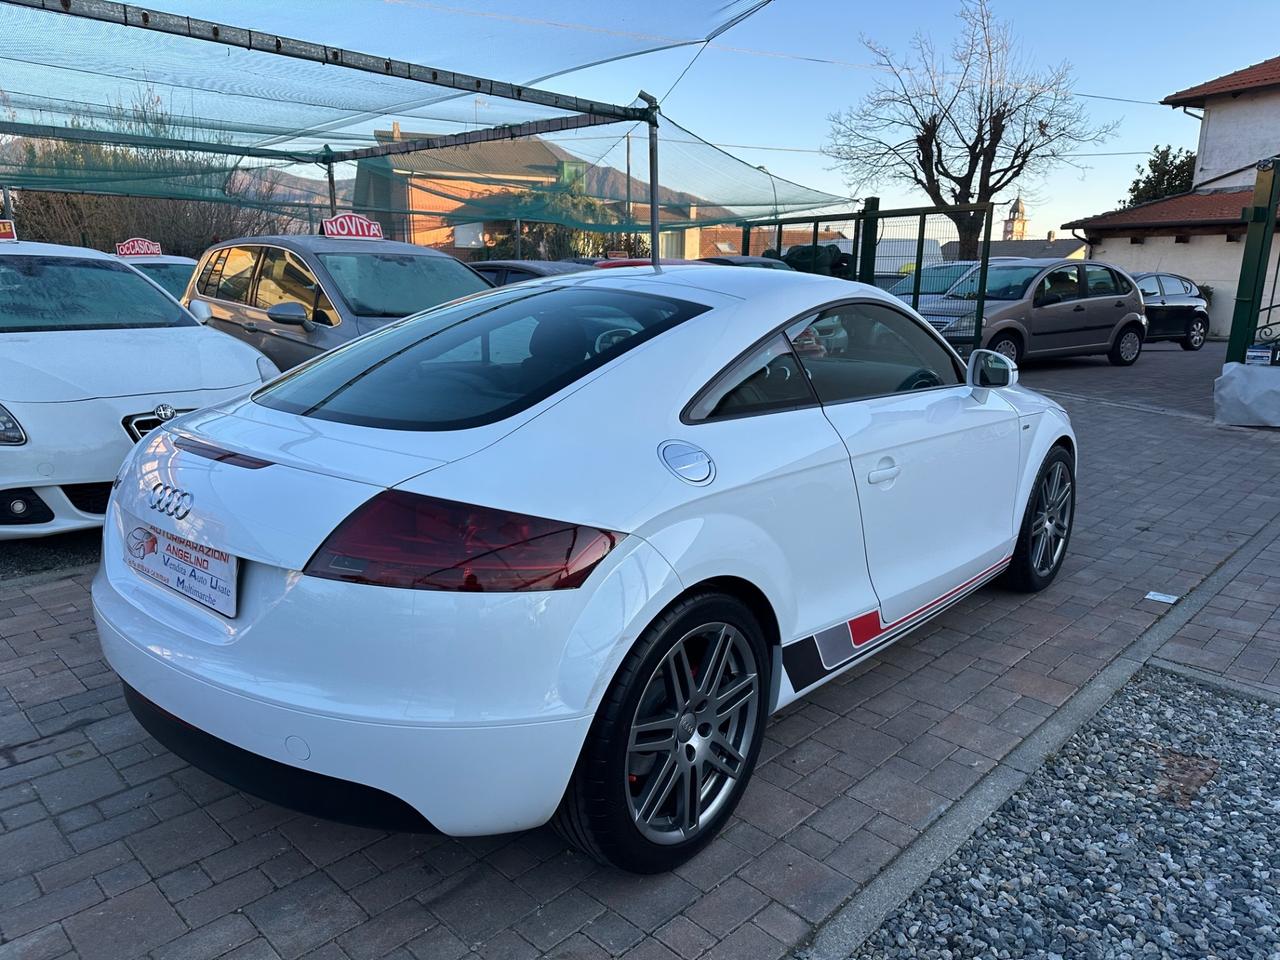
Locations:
column 768, row 263
column 502, row 272
column 1176, row 309
column 293, row 297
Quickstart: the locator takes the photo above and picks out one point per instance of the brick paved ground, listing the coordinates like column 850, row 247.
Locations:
column 113, row 848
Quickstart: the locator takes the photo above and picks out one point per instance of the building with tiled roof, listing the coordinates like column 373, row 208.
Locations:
column 1197, row 234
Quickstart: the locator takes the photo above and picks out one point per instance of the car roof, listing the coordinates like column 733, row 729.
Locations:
column 313, row 243
column 31, row 248
column 159, row 258
column 730, row 281
column 544, row 267
column 731, row 258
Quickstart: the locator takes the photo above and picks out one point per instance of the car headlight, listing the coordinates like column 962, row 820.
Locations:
column 267, row 370
column 10, row 430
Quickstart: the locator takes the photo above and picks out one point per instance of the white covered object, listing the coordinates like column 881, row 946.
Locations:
column 1247, row 395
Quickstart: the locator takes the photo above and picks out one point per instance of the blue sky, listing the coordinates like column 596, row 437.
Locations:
column 1136, row 50
column 753, row 86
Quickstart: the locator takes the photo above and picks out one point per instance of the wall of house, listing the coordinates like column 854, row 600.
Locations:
column 1205, row 259
column 1235, row 132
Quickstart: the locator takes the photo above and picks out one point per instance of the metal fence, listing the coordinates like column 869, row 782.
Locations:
column 917, row 254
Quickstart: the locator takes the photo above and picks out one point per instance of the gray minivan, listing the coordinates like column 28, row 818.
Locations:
column 293, row 297
column 1048, row 307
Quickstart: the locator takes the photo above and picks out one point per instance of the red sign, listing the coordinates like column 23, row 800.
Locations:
column 351, row 226
column 138, row 247
column 7, row 230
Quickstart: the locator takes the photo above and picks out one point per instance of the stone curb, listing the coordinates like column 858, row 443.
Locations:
column 844, row 931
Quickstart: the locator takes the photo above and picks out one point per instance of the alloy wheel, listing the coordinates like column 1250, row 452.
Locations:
column 1007, row 348
column 1130, row 344
column 691, row 733
column 1051, row 522
column 1197, row 334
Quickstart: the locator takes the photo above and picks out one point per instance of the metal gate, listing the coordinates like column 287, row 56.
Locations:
column 1257, row 311
column 917, row 254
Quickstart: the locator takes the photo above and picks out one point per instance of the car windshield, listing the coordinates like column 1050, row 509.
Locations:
column 933, row 280
column 1004, row 282
column 476, row 361
column 398, row 284
column 172, row 276
column 73, row 293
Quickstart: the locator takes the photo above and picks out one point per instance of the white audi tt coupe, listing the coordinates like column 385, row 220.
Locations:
column 92, row 356
column 558, row 550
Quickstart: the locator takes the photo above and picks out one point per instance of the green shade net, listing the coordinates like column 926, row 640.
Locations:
column 94, row 107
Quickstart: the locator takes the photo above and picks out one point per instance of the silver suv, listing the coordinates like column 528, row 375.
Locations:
column 1043, row 308
column 294, row 297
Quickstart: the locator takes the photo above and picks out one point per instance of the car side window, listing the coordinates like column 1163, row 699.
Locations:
column 1058, row 285
column 1174, row 286
column 285, row 278
column 768, row 378
column 208, row 284
column 1100, row 282
column 862, row 350
column 1149, row 287
column 237, row 274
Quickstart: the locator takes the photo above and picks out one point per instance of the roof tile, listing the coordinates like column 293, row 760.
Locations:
column 1219, row 207
column 1264, row 74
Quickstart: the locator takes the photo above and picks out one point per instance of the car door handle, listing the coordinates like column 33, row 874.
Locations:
column 251, row 326
column 1077, row 309
column 883, row 474
column 1120, row 303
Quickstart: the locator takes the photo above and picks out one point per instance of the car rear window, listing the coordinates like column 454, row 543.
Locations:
column 72, row 293
column 172, row 276
column 395, row 285
column 476, row 361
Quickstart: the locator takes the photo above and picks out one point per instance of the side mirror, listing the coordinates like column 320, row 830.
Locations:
column 989, row 369
column 292, row 313
column 200, row 310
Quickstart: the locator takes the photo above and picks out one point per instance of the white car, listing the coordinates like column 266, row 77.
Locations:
column 172, row 272
column 92, row 357
column 557, row 550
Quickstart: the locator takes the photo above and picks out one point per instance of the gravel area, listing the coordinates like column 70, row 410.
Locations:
column 21, row 557
column 1154, row 832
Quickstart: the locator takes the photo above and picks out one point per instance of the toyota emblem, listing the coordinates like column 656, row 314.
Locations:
column 170, row 501
column 165, row 412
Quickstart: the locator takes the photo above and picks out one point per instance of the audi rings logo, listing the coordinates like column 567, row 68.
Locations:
column 170, row 501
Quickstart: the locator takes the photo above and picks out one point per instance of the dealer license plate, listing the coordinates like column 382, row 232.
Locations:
column 205, row 574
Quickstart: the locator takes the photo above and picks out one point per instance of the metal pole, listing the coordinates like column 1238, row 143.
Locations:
column 653, row 177
column 979, row 304
column 867, row 255
column 777, row 239
column 519, row 241
column 814, row 255
column 629, row 215
column 333, row 192
column 746, row 240
column 915, row 283
column 8, row 203
column 1260, row 216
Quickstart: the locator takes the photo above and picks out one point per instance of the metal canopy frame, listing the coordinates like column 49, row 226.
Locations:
column 583, row 112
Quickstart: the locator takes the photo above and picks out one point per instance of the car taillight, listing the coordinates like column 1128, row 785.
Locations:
column 401, row 539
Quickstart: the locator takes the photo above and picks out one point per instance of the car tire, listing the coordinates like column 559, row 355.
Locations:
column 1127, row 348
column 1197, row 332
column 619, row 807
column 1007, row 344
column 1030, row 571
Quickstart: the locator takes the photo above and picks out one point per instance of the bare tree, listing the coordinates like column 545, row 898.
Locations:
column 965, row 128
column 104, row 193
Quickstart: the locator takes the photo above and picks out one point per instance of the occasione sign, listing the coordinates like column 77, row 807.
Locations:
column 351, row 226
column 7, row 230
column 138, row 247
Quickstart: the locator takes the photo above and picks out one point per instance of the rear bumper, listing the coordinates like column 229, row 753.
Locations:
column 303, row 790
column 464, row 780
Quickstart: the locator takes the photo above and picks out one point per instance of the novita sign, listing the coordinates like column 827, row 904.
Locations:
column 351, row 226
column 138, row 247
